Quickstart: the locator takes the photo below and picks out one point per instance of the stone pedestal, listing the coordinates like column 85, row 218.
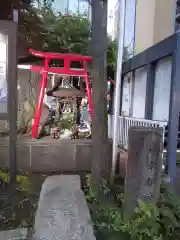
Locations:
column 144, row 166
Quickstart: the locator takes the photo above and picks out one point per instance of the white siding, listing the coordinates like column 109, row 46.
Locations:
column 126, row 95
column 139, row 92
column 162, row 89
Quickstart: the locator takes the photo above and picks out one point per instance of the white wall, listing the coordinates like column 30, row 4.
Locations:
column 126, row 95
column 162, row 89
column 139, row 92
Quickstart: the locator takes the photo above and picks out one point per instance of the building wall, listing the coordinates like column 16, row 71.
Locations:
column 144, row 24
column 134, row 91
column 155, row 21
column 164, row 21
column 147, row 22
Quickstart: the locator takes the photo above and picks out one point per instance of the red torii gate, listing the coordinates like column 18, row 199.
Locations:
column 66, row 70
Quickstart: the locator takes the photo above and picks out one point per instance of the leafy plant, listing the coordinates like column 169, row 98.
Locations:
column 66, row 123
column 159, row 221
column 144, row 224
column 91, row 194
column 17, row 210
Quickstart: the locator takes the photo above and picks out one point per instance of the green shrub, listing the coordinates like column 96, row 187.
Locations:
column 159, row 221
column 66, row 123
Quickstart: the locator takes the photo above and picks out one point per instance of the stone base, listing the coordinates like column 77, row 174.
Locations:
column 50, row 155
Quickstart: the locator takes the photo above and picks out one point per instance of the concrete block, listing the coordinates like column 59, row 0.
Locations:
column 15, row 234
column 23, row 157
column 4, row 157
column 83, row 157
column 49, row 158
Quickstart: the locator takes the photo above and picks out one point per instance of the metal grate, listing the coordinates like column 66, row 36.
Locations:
column 130, row 22
column 177, row 20
column 127, row 122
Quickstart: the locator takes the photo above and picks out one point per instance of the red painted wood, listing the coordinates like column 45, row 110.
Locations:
column 40, row 100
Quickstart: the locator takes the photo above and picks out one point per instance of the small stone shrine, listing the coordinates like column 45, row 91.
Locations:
column 144, row 167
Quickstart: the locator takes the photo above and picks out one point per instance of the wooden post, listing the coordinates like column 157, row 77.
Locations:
column 12, row 92
column 99, row 89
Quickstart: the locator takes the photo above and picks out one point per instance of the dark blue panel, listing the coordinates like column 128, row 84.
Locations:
column 174, row 111
column 150, row 91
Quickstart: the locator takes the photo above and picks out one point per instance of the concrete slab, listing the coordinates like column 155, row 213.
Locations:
column 62, row 212
column 48, row 155
column 85, row 162
column 4, row 149
column 122, row 163
column 23, row 157
column 53, row 158
column 16, row 234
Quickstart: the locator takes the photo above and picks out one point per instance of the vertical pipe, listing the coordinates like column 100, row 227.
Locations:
column 132, row 93
column 118, row 84
column 12, row 97
column 40, row 100
column 150, row 85
column 174, row 111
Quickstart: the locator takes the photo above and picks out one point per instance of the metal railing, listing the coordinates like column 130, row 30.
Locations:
column 127, row 122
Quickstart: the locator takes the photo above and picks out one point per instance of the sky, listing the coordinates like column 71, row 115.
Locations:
column 111, row 12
